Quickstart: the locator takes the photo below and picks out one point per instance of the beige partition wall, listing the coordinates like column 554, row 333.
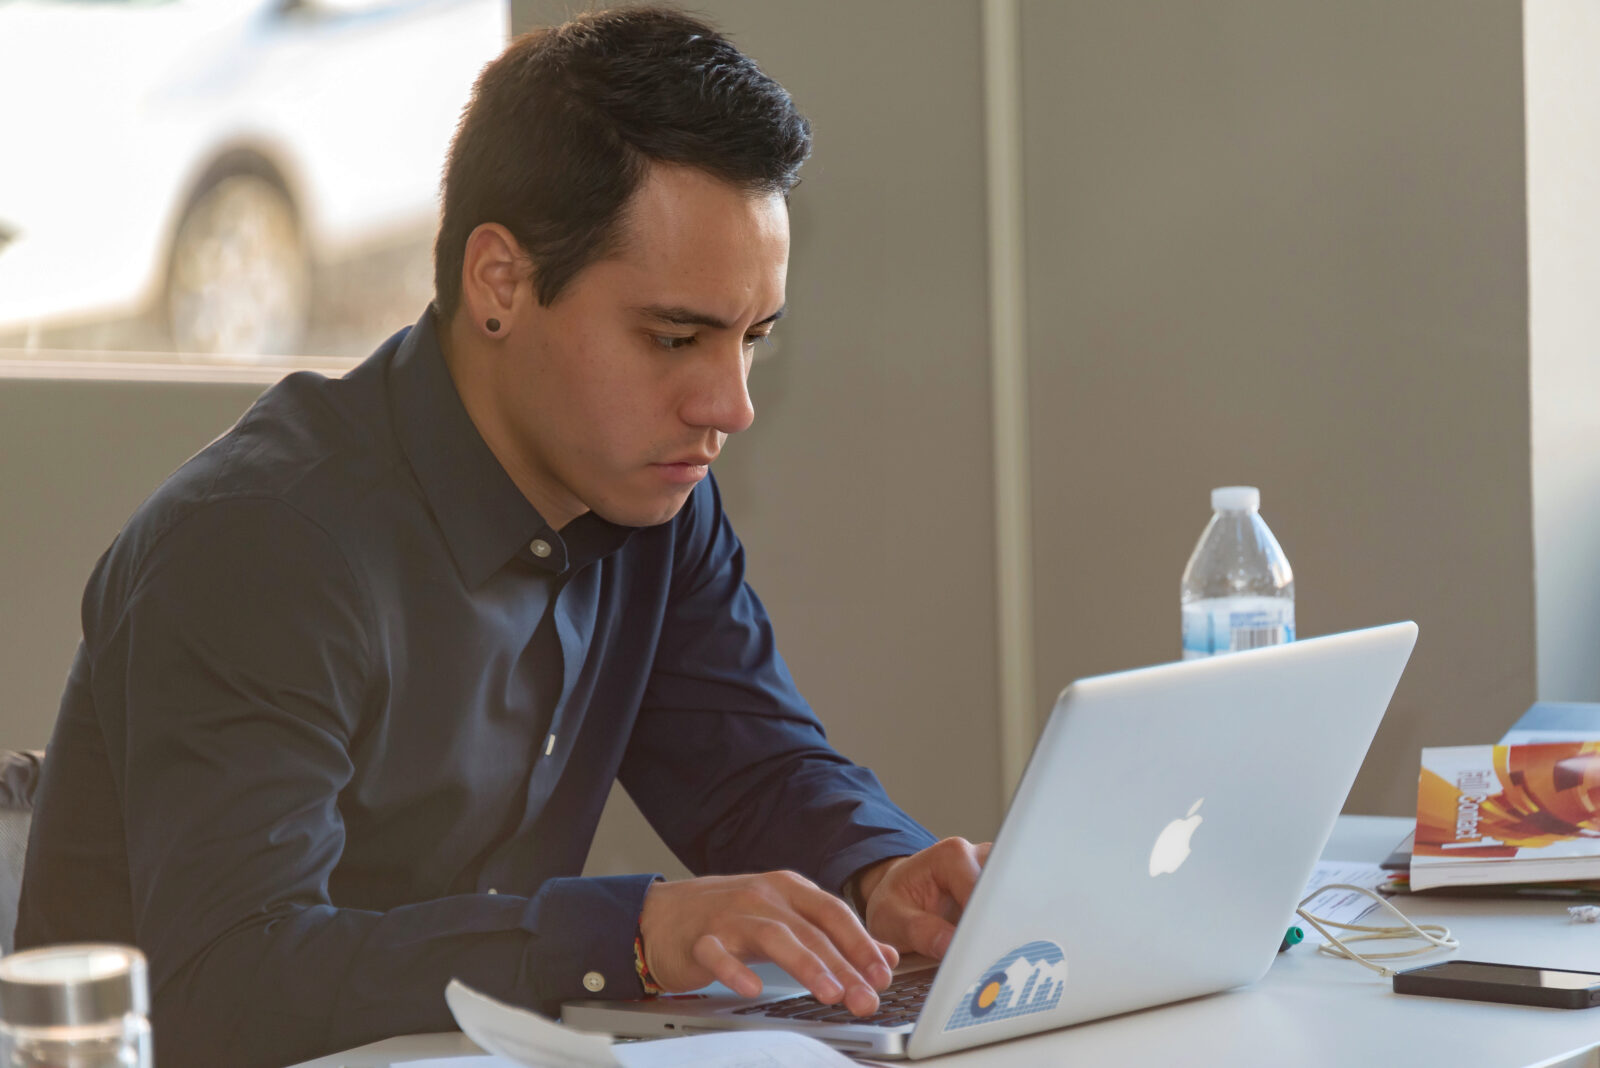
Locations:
column 863, row 491
column 1283, row 244
column 76, row 457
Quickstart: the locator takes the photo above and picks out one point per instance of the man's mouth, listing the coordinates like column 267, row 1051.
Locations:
column 685, row 470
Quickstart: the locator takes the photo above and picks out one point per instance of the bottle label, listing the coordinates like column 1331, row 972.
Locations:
column 1233, row 624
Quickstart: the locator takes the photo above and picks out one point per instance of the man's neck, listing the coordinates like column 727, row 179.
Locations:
column 466, row 362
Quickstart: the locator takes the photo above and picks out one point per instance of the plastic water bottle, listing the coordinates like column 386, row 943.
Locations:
column 1238, row 590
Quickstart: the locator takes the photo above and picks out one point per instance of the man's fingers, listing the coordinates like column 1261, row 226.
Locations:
column 708, row 928
column 928, row 934
column 860, row 995
column 957, row 864
column 731, row 972
column 983, row 851
column 805, row 953
column 838, row 925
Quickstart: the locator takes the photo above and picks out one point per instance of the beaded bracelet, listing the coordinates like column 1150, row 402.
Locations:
column 651, row 987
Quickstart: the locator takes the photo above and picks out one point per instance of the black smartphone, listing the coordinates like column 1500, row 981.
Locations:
column 1517, row 984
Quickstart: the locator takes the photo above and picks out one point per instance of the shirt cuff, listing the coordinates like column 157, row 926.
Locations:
column 844, row 866
column 852, row 894
column 583, row 936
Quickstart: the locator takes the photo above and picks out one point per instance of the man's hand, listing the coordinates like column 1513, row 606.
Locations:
column 913, row 902
column 697, row 930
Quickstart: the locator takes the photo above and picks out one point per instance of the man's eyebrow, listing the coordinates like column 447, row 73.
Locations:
column 680, row 316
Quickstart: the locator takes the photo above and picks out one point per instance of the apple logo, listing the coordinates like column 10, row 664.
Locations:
column 1172, row 845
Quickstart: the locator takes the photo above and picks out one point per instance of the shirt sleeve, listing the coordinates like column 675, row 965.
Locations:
column 726, row 760
column 240, row 662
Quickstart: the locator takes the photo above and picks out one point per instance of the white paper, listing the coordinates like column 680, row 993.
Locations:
column 1341, row 906
column 529, row 1039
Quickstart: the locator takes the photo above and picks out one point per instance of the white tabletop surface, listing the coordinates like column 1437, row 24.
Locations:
column 1310, row 1010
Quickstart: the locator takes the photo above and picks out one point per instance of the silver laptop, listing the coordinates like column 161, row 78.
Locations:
column 1155, row 849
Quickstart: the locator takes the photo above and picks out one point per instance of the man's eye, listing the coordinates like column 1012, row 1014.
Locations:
column 752, row 340
column 671, row 342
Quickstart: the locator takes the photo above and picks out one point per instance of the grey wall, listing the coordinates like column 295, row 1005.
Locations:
column 1282, row 244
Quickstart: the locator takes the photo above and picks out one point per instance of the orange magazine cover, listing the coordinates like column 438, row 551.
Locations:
column 1507, row 814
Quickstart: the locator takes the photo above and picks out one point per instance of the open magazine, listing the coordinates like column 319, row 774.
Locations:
column 1513, row 813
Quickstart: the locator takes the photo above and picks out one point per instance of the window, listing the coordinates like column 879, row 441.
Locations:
column 224, row 183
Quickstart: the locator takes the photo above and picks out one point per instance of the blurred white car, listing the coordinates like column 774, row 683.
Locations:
column 191, row 162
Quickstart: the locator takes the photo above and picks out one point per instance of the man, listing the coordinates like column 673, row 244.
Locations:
column 356, row 680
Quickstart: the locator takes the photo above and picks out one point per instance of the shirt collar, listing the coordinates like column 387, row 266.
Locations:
column 485, row 519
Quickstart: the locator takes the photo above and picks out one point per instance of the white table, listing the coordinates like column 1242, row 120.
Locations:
column 1311, row 1011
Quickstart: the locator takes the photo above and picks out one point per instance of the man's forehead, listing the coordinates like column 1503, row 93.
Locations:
column 684, row 210
column 693, row 250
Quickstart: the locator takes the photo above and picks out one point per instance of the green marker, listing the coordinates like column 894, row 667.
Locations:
column 1292, row 937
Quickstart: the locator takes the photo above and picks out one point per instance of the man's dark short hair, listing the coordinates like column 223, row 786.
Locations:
column 563, row 126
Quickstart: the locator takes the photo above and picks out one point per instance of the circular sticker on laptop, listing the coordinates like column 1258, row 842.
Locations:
column 1027, row 980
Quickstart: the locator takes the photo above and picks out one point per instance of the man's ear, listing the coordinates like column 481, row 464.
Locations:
column 492, row 272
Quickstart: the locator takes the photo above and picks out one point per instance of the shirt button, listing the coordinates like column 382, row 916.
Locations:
column 492, row 890
column 594, row 982
column 540, row 547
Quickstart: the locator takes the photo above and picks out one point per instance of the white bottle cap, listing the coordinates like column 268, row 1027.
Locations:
column 1235, row 499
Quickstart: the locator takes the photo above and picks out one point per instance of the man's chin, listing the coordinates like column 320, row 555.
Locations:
column 642, row 513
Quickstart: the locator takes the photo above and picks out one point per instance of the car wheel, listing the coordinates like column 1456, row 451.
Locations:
column 239, row 280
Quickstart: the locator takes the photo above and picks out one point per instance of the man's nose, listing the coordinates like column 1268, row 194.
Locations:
column 721, row 395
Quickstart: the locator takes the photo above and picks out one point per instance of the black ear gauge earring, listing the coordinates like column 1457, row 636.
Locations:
column 493, row 325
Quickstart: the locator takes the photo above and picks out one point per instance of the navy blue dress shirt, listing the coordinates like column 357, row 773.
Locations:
column 347, row 710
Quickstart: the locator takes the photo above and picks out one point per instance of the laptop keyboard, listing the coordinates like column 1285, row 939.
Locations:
column 900, row 1004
